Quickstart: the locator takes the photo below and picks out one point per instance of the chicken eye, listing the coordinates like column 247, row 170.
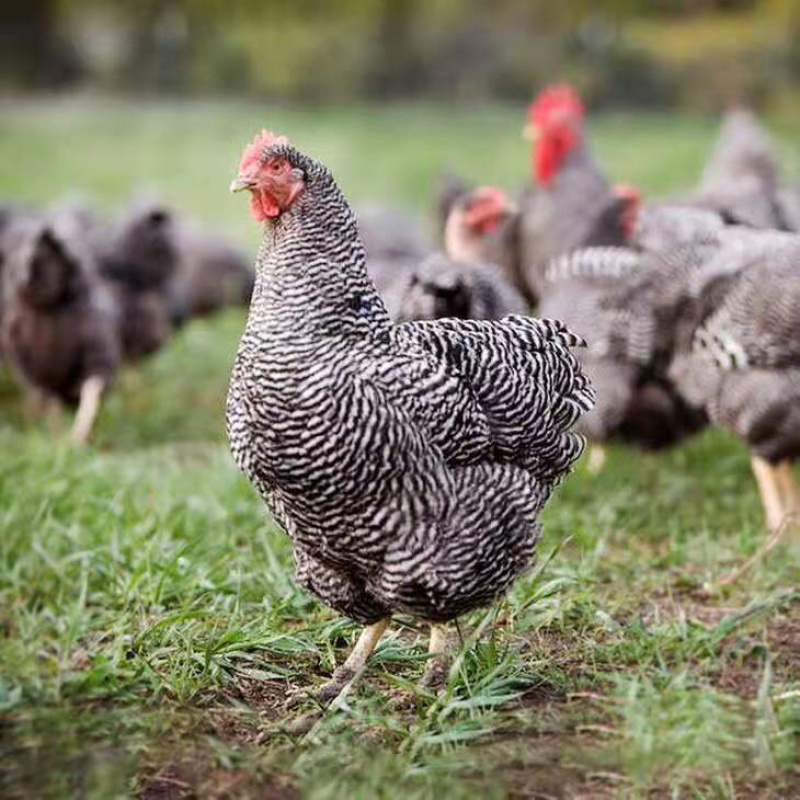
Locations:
column 277, row 166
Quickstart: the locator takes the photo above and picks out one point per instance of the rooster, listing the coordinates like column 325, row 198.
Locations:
column 407, row 463
column 571, row 204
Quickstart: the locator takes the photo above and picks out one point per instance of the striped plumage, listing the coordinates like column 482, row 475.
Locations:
column 592, row 291
column 407, row 462
column 740, row 359
column 439, row 287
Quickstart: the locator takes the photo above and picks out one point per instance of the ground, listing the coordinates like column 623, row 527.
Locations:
column 150, row 626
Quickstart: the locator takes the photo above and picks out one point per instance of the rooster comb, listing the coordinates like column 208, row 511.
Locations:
column 557, row 102
column 252, row 153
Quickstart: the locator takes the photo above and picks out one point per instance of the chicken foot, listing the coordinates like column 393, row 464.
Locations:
column 354, row 664
column 88, row 406
column 335, row 690
column 791, row 493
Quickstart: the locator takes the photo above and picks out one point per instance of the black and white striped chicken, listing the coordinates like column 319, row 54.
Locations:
column 408, row 463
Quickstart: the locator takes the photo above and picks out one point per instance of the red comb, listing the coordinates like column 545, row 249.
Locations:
column 253, row 150
column 485, row 208
column 555, row 102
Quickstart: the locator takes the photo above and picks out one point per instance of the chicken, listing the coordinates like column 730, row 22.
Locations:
column 449, row 188
column 737, row 353
column 741, row 179
column 439, row 287
column 593, row 291
column 483, row 227
column 406, row 462
column 210, row 274
column 139, row 260
column 394, row 240
column 58, row 324
column 571, row 205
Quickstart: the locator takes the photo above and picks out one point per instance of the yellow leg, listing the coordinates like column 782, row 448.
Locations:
column 787, row 484
column 597, row 459
column 768, row 486
column 436, row 672
column 89, row 405
column 354, row 663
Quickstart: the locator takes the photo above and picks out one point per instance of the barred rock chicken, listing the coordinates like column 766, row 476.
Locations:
column 712, row 323
column 572, row 205
column 635, row 401
column 58, row 324
column 439, row 287
column 407, row 462
column 737, row 354
column 139, row 259
column 741, row 179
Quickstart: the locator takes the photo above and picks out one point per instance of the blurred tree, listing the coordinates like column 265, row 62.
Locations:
column 33, row 51
column 642, row 52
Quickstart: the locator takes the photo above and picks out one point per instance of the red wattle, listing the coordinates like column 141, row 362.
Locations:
column 550, row 151
column 263, row 205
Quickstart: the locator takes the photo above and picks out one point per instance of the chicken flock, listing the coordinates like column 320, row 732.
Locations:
column 80, row 296
column 393, row 402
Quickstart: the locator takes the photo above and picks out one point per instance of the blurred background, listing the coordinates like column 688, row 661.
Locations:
column 106, row 100
column 619, row 53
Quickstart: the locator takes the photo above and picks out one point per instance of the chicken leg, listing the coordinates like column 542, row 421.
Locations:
column 354, row 663
column 435, row 673
column 787, row 484
column 597, row 459
column 89, row 405
column 770, row 480
column 336, row 688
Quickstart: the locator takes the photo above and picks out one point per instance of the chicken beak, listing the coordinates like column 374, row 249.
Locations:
column 510, row 207
column 240, row 183
column 530, row 132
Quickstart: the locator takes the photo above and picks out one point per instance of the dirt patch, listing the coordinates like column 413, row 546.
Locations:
column 193, row 779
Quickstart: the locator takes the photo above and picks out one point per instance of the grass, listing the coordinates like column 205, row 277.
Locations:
column 150, row 626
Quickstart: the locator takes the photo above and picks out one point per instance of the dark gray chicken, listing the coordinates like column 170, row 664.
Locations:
column 210, row 275
column 58, row 323
column 448, row 189
column 139, row 259
column 439, row 287
column 407, row 462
